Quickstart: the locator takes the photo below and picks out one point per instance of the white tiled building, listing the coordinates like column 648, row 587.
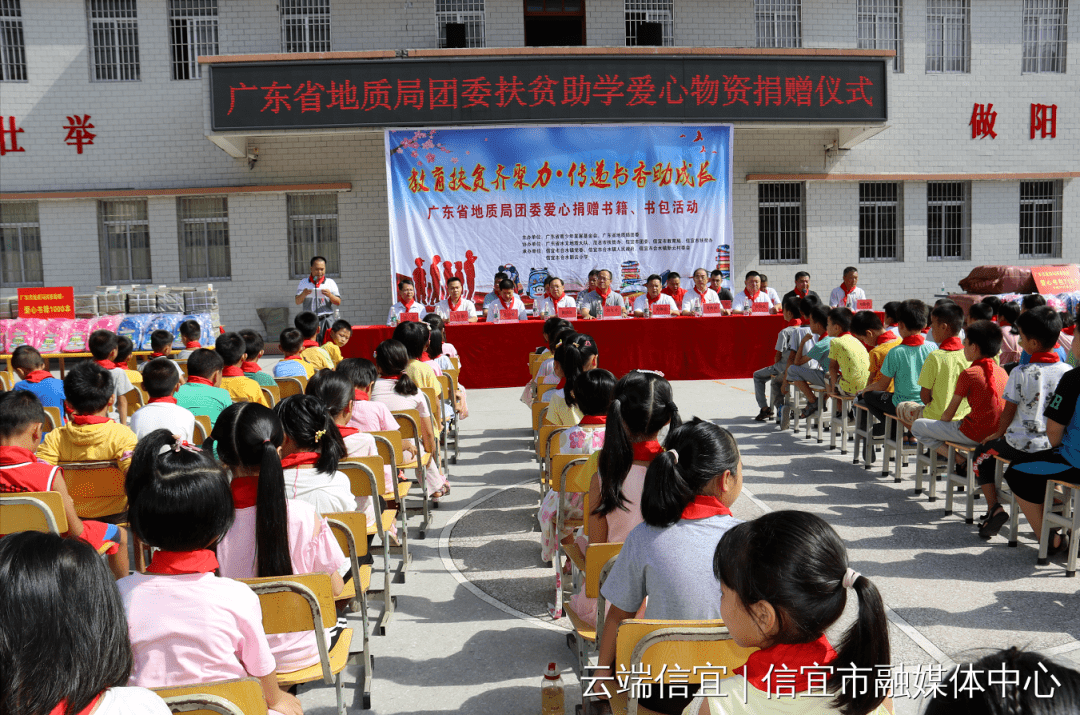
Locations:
column 915, row 202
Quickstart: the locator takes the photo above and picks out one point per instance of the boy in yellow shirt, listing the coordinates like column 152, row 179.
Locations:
column 415, row 336
column 336, row 338
column 308, row 325
column 232, row 349
column 89, row 435
column 943, row 366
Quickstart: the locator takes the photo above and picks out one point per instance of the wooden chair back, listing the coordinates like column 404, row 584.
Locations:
column 456, row 362
column 651, row 644
column 135, row 399
column 97, row 488
column 568, row 472
column 409, row 424
column 8, row 379
column 542, row 390
column 292, row 604
column 226, row 697
column 389, row 444
column 434, row 407
column 289, row 386
column 547, row 433
column 365, row 475
column 350, row 530
column 202, row 428
column 539, row 409
column 32, row 511
column 272, row 393
column 449, row 389
column 596, row 556
column 54, row 419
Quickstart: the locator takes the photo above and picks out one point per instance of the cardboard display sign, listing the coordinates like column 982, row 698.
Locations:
column 661, row 309
column 726, row 304
column 1050, row 280
column 409, row 317
column 508, row 315
column 711, row 309
column 864, row 305
column 457, row 317
column 566, row 313
column 612, row 311
column 760, row 308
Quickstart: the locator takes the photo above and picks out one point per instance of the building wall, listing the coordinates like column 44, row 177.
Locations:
column 152, row 134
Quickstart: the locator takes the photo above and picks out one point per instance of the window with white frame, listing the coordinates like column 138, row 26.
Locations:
column 778, row 23
column 880, row 232
column 948, row 220
column 948, row 36
column 469, row 13
column 881, row 27
column 204, row 238
column 124, row 234
column 1040, row 219
column 313, row 231
column 305, row 25
column 12, row 42
column 1045, row 35
column 193, row 30
column 661, row 12
column 114, row 39
column 781, row 236
column 20, row 244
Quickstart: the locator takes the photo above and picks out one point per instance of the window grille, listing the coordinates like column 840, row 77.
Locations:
column 124, row 234
column 12, row 42
column 114, row 39
column 879, row 222
column 468, row 12
column 313, row 231
column 305, row 25
column 20, row 244
column 1045, row 35
column 193, row 29
column 1040, row 219
column 881, row 27
column 781, row 238
column 948, row 36
column 204, row 238
column 948, row 220
column 660, row 11
column 778, row 23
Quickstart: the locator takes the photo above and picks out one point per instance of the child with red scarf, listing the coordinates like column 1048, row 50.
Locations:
column 242, row 388
column 21, row 421
column 937, row 379
column 104, row 346
column 1021, row 429
column 202, row 394
column 161, row 410
column 686, row 506
column 190, row 332
column 774, row 374
column 308, row 325
column 772, row 600
column 849, row 363
column 254, row 349
column 28, row 364
column 161, row 347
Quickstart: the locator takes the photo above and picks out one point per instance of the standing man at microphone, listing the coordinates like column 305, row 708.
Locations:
column 319, row 294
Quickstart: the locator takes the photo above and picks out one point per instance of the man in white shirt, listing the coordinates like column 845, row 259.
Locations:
column 160, row 382
column 455, row 302
column 406, row 302
column 319, row 294
column 556, row 297
column 848, row 293
column 653, row 297
column 507, row 299
column 743, row 302
column 494, row 294
column 592, row 303
column 699, row 295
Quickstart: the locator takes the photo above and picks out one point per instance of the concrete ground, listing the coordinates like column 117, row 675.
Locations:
column 472, row 635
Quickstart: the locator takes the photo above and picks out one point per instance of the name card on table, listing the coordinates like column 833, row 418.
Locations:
column 659, row 309
column 760, row 308
column 712, row 308
column 726, row 304
column 408, row 317
column 612, row 311
column 508, row 315
column 566, row 313
column 864, row 305
column 457, row 317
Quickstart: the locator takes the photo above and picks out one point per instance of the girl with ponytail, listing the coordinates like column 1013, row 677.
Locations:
column 272, row 535
column 641, row 406
column 396, row 390
column 785, row 580
column 310, row 453
column 576, row 354
column 188, row 625
column 686, row 503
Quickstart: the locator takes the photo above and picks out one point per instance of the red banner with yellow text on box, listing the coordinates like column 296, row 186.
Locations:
column 1052, row 280
column 47, row 302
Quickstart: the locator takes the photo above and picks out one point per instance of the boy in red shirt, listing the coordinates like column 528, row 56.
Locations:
column 21, row 420
column 982, row 384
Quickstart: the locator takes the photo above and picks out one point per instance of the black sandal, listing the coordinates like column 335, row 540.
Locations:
column 997, row 518
column 1062, row 545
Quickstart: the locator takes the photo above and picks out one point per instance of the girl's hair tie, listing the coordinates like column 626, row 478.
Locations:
column 674, row 455
column 850, row 578
column 178, row 444
column 319, row 434
column 650, row 372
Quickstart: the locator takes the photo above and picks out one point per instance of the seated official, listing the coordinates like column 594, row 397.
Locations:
column 455, row 302
column 695, row 299
column 494, row 294
column 555, row 298
column 406, row 302
column 716, row 282
column 674, row 288
column 653, row 297
column 591, row 304
column 751, row 294
column 506, row 299
column 802, row 287
column 847, row 294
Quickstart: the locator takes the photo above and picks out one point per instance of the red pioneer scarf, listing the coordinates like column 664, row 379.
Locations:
column 196, row 380
column 244, row 491
column 651, row 299
column 987, row 366
column 593, row 420
column 88, row 419
column 408, row 306
column 885, row 337
column 361, row 396
column 1045, row 357
column 424, row 357
column 294, row 357
column 504, row 304
column 604, row 295
column 232, row 371
column 452, row 306
column 802, row 294
column 299, row 459
column 157, row 355
column 752, row 298
column 192, row 345
column 795, row 323
column 107, row 364
column 37, row 376
column 761, row 666
column 952, row 344
column 61, row 707
column 647, row 451
column 847, row 291
column 347, row 431
column 703, row 506
column 248, row 366
column 914, row 340
column 1069, row 330
column 676, row 294
column 167, row 400
column 183, row 562
column 316, row 283
column 310, row 344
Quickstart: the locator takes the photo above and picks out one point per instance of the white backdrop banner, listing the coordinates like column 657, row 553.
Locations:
column 558, row 200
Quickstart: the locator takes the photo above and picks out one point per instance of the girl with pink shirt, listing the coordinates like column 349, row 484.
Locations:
column 272, row 535
column 188, row 626
column 367, row 416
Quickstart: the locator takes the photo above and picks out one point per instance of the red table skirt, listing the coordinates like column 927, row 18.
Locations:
column 683, row 348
